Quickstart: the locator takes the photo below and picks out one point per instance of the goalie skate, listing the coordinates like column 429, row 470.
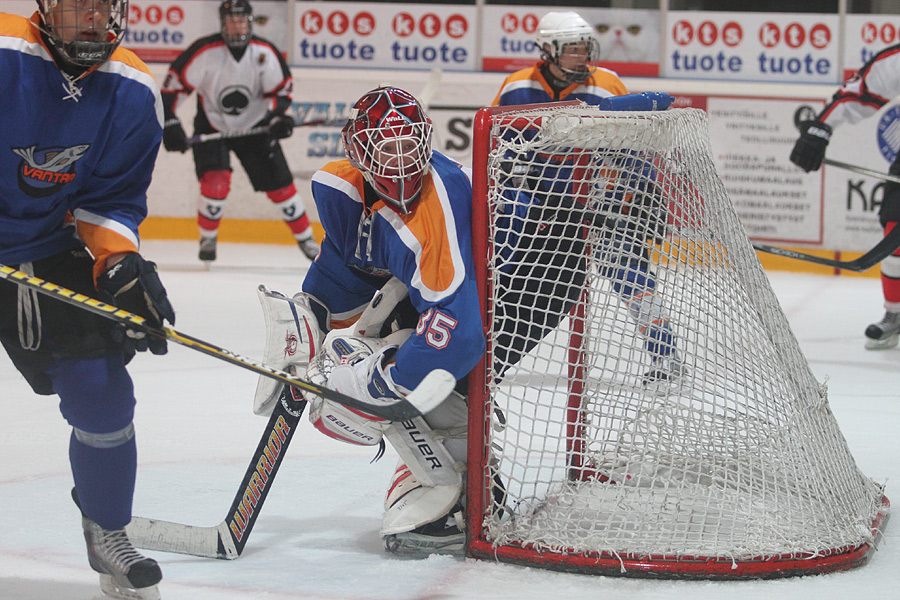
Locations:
column 443, row 536
column 885, row 333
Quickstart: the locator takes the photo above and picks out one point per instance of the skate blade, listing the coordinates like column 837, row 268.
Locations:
column 412, row 545
column 661, row 388
column 886, row 343
column 111, row 589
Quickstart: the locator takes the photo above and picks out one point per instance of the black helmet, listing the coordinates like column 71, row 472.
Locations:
column 241, row 9
column 84, row 33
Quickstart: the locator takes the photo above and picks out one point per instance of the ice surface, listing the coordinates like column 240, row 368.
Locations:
column 317, row 535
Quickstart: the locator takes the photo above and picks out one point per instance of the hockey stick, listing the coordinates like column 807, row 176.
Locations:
column 227, row 135
column 861, row 170
column 887, row 246
column 426, row 96
column 228, row 538
column 436, row 386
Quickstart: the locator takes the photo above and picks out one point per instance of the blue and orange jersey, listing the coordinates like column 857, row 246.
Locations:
column 429, row 250
column 74, row 151
column 529, row 86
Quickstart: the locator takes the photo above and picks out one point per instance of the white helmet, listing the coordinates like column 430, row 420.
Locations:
column 555, row 31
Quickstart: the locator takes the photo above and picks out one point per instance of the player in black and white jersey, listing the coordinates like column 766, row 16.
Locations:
column 860, row 97
column 242, row 82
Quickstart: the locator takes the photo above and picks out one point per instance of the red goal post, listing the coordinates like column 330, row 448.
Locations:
column 579, row 460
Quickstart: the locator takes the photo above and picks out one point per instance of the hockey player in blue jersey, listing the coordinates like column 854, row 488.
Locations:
column 568, row 45
column 82, row 124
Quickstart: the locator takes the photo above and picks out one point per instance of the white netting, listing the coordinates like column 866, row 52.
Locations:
column 674, row 414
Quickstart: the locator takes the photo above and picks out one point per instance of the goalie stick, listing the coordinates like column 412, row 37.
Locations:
column 887, row 246
column 227, row 539
column 433, row 389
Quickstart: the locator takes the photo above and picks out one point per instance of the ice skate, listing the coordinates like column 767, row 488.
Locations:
column 207, row 249
column 309, row 247
column 667, row 376
column 885, row 333
column 124, row 572
column 443, row 536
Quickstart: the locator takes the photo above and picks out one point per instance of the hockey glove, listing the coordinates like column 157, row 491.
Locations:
column 809, row 149
column 280, row 126
column 368, row 379
column 135, row 285
column 174, row 138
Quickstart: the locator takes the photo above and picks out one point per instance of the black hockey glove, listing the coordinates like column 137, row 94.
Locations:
column 174, row 138
column 135, row 285
column 809, row 149
column 280, row 126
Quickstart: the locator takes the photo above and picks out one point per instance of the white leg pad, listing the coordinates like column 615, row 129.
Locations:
column 293, row 338
column 410, row 504
column 429, row 478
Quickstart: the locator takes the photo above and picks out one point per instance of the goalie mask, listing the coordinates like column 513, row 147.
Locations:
column 236, row 20
column 84, row 32
column 567, row 42
column 388, row 138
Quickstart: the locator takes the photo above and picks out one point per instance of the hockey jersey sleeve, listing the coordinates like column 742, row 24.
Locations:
column 873, row 86
column 176, row 86
column 277, row 81
column 113, row 203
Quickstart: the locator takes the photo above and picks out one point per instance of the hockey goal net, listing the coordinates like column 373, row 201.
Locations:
column 643, row 407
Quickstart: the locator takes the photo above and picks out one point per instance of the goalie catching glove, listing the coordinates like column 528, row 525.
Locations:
column 354, row 366
column 135, row 285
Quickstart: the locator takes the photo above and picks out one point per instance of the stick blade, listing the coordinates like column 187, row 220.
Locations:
column 433, row 390
column 166, row 536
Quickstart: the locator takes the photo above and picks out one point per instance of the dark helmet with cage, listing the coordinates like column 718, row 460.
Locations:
column 568, row 42
column 236, row 20
column 388, row 138
column 85, row 33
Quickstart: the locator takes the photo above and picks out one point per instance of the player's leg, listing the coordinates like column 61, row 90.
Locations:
column 63, row 350
column 267, row 168
column 541, row 281
column 213, row 168
column 885, row 333
column 625, row 262
column 424, row 506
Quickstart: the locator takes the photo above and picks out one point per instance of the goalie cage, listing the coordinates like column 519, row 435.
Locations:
column 742, row 472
